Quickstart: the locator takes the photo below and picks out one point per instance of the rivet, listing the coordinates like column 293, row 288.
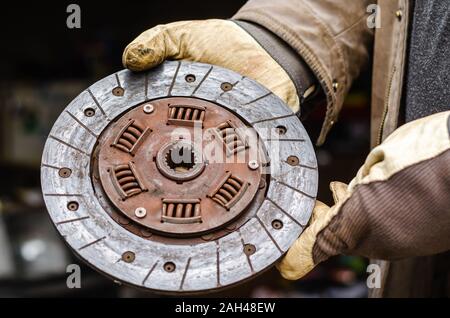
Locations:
column 118, row 91
column 72, row 206
column 128, row 257
column 64, row 172
column 253, row 164
column 169, row 267
column 226, row 86
column 399, row 14
column 249, row 249
column 262, row 183
column 281, row 130
column 140, row 212
column 123, row 220
column 208, row 237
column 148, row 108
column 190, row 78
column 146, row 233
column 277, row 224
column 293, row 161
column 89, row 112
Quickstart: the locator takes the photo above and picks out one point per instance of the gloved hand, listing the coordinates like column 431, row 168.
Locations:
column 397, row 206
column 218, row 42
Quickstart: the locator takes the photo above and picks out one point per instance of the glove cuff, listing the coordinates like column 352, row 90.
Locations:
column 343, row 229
column 340, row 236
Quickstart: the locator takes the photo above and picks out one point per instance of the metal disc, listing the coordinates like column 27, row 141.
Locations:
column 127, row 241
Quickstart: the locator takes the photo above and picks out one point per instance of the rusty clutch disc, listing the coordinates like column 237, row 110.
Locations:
column 183, row 179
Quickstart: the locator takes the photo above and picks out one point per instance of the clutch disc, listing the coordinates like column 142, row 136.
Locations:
column 183, row 179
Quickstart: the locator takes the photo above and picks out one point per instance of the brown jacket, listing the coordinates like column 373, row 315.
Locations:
column 334, row 39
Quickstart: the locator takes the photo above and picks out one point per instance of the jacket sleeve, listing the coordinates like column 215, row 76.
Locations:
column 331, row 36
column 398, row 205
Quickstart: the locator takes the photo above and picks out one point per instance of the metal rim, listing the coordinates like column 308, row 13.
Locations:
column 101, row 242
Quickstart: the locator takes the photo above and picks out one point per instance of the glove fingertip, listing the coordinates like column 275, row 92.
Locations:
column 138, row 57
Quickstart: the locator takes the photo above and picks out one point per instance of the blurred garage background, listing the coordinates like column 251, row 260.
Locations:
column 44, row 65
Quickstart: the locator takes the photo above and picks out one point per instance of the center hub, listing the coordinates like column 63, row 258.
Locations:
column 180, row 166
column 180, row 161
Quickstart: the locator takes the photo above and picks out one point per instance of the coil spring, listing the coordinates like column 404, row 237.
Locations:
column 186, row 113
column 181, row 210
column 230, row 138
column 127, row 180
column 130, row 137
column 228, row 191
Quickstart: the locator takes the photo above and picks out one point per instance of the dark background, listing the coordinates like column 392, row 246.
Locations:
column 44, row 65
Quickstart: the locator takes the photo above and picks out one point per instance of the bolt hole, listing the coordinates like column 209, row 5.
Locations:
column 72, row 206
column 190, row 78
column 277, row 224
column 128, row 257
column 169, row 267
column 64, row 172
column 226, row 86
column 89, row 112
column 281, row 130
column 293, row 160
column 249, row 249
column 118, row 91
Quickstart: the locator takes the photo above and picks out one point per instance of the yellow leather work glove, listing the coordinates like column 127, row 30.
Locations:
column 299, row 261
column 218, row 42
column 397, row 206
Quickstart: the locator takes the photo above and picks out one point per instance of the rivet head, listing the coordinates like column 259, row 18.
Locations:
column 190, row 78
column 118, row 91
column 277, row 224
column 148, row 108
column 399, row 14
column 146, row 233
column 169, row 267
column 128, row 257
column 226, row 86
column 249, row 249
column 89, row 112
column 208, row 237
column 253, row 164
column 140, row 212
column 262, row 183
column 123, row 220
column 293, row 160
column 72, row 206
column 281, row 130
column 64, row 172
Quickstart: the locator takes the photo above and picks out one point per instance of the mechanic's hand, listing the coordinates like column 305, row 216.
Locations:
column 397, row 206
column 218, row 42
column 299, row 259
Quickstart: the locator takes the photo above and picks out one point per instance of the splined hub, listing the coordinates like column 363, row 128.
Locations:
column 182, row 179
